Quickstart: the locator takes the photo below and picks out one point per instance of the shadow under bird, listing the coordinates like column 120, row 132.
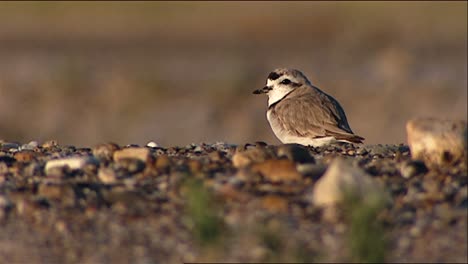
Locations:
column 301, row 113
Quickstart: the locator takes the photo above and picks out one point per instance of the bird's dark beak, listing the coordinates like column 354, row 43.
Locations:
column 265, row 89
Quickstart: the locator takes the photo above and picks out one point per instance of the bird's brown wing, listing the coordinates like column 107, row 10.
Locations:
column 314, row 115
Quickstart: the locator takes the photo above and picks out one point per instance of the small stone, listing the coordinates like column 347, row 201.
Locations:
column 7, row 161
column 437, row 142
column 30, row 146
column 24, row 155
column 163, row 163
column 195, row 166
column 378, row 151
column 105, row 151
column 444, row 212
column 49, row 144
column 341, row 177
column 7, row 146
column 412, row 168
column 152, row 144
column 73, row 163
column 57, row 174
column 275, row 204
column 216, row 155
column 404, row 242
column 258, row 253
column 57, row 192
column 198, row 149
column 277, row 170
column 3, row 168
column 246, row 175
column 415, row 231
column 296, row 153
column 361, row 151
column 461, row 198
column 242, row 159
column 142, row 154
column 107, row 175
column 5, row 206
column 131, row 165
column 315, row 171
column 230, row 193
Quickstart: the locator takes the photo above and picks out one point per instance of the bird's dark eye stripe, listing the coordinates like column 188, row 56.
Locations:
column 273, row 76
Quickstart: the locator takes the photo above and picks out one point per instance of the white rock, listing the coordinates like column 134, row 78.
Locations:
column 436, row 141
column 152, row 144
column 341, row 177
column 72, row 162
column 31, row 145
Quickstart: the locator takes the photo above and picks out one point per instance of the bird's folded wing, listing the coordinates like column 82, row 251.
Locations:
column 308, row 115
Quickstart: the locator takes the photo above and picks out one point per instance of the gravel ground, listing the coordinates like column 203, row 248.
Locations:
column 221, row 203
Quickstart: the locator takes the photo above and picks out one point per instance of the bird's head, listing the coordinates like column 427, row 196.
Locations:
column 281, row 82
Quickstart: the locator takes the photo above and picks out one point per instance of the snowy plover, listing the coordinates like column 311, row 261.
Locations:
column 299, row 112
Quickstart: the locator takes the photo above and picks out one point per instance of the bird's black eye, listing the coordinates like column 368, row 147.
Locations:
column 286, row 81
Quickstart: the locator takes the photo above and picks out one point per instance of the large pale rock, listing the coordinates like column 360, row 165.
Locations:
column 340, row 178
column 73, row 163
column 437, row 142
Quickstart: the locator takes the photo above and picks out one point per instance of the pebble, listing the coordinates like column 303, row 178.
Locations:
column 361, row 151
column 412, row 168
column 130, row 165
column 275, row 203
column 195, row 166
column 461, row 197
column 57, row 192
column 30, row 146
column 216, row 156
column 315, row 171
column 5, row 206
column 107, row 175
column 277, row 170
column 152, row 144
column 142, row 154
column 50, row 144
column 295, row 152
column 163, row 163
column 244, row 158
column 24, row 155
column 7, row 146
column 105, row 150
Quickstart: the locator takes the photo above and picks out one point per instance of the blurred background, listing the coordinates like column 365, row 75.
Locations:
column 129, row 72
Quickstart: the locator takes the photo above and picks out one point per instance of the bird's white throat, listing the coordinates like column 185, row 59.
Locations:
column 277, row 93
